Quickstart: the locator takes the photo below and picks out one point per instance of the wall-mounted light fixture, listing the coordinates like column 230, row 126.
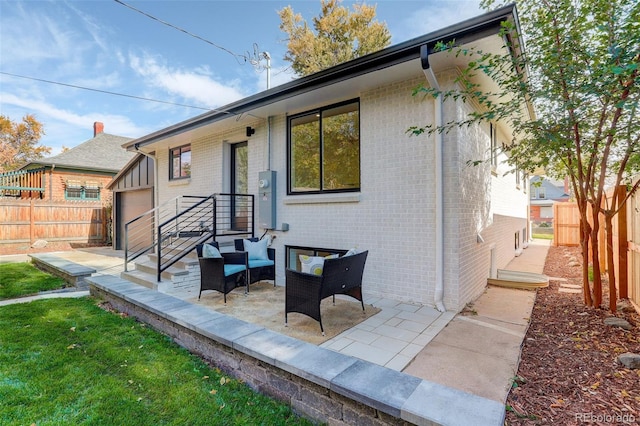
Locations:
column 250, row 131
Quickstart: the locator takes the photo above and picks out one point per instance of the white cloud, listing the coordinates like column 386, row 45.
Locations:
column 42, row 39
column 434, row 16
column 68, row 128
column 195, row 85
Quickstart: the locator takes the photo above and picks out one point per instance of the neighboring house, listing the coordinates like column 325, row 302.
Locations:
column 544, row 193
column 82, row 172
column 329, row 156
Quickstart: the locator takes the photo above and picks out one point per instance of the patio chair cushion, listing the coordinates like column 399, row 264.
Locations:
column 210, row 251
column 259, row 263
column 256, row 250
column 230, row 269
column 352, row 251
column 314, row 264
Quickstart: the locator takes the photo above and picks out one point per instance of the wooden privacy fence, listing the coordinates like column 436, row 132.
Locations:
column 25, row 221
column 633, row 253
column 626, row 239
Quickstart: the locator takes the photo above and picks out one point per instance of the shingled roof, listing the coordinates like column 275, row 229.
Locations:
column 103, row 153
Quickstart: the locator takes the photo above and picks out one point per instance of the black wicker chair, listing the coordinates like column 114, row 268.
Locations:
column 222, row 274
column 304, row 292
column 260, row 269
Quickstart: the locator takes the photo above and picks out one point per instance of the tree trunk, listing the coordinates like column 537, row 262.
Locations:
column 584, row 242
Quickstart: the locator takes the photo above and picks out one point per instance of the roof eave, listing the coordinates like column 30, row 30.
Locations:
column 402, row 52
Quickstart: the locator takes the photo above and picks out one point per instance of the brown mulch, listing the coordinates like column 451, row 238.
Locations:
column 569, row 373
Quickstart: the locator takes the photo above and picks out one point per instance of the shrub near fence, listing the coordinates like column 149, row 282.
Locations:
column 25, row 221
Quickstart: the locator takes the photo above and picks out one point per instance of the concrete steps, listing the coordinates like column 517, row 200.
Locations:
column 183, row 273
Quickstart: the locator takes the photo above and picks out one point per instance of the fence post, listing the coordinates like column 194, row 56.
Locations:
column 555, row 224
column 31, row 223
column 623, row 268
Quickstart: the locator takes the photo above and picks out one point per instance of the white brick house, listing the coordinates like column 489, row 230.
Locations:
column 435, row 230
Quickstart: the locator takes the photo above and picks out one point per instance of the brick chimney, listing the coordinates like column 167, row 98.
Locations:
column 566, row 185
column 98, row 127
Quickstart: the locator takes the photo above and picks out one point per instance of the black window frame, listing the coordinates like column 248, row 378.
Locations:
column 318, row 112
column 171, row 157
column 314, row 251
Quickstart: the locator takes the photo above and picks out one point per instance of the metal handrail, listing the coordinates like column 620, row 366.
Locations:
column 144, row 223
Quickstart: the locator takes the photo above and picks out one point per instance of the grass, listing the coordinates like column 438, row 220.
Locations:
column 543, row 236
column 68, row 361
column 24, row 279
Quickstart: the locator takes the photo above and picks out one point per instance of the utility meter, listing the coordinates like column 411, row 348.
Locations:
column 267, row 199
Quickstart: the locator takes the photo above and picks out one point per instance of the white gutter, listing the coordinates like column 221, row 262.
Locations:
column 439, row 182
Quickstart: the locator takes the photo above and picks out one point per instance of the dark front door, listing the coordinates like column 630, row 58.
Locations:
column 239, row 185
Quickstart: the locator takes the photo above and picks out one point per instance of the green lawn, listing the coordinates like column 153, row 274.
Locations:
column 543, row 236
column 68, row 361
column 24, row 279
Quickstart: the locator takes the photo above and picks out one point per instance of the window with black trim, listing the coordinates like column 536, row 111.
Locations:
column 180, row 162
column 292, row 254
column 324, row 150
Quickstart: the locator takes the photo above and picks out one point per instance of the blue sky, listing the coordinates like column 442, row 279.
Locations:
column 106, row 46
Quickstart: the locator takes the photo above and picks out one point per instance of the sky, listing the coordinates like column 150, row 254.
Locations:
column 146, row 74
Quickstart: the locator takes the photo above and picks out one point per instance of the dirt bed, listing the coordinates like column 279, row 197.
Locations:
column 569, row 373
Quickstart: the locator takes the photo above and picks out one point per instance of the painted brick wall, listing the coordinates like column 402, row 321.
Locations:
column 57, row 180
column 488, row 203
column 394, row 214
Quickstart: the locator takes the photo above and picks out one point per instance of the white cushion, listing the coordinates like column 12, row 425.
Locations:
column 256, row 250
column 314, row 264
column 351, row 252
column 210, row 251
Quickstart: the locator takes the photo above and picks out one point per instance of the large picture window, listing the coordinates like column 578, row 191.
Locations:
column 180, row 162
column 324, row 150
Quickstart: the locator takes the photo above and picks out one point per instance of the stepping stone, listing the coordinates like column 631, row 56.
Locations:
column 618, row 322
column 569, row 290
column 630, row 360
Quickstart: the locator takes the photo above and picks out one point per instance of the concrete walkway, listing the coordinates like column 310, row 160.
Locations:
column 479, row 350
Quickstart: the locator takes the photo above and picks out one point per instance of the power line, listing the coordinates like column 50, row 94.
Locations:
column 254, row 60
column 106, row 91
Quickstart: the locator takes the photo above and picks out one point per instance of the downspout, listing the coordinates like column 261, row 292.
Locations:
column 439, row 182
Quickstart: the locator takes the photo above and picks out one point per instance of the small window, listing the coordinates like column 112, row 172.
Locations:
column 324, row 150
column 180, row 162
column 292, row 258
column 77, row 190
column 494, row 145
column 541, row 193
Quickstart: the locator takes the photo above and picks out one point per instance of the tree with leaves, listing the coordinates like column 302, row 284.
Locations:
column 19, row 142
column 583, row 58
column 339, row 36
